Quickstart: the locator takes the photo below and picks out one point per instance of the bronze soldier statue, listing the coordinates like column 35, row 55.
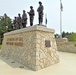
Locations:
column 40, row 12
column 31, row 14
column 19, row 21
column 15, row 23
column 24, row 19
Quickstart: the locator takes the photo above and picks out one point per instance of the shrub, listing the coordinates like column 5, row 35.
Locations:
column 72, row 37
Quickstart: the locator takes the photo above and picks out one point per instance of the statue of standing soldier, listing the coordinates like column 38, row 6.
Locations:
column 14, row 23
column 40, row 12
column 31, row 15
column 19, row 21
column 24, row 19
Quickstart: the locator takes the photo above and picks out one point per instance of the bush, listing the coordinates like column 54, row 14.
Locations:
column 0, row 46
column 72, row 37
column 1, row 39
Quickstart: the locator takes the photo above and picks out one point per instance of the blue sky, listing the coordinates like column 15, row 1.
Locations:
column 51, row 8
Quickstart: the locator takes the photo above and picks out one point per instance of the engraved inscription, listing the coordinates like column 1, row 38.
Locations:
column 18, row 41
column 47, row 43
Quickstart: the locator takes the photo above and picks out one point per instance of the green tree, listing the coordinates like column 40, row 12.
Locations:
column 5, row 25
column 72, row 37
column 63, row 34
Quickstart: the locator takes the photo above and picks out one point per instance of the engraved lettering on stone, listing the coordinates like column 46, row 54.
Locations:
column 18, row 41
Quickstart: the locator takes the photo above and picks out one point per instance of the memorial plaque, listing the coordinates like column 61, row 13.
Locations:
column 47, row 43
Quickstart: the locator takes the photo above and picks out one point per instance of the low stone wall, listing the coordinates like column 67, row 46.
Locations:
column 34, row 47
column 64, row 46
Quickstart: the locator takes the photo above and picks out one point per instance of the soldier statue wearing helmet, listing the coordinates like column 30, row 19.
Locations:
column 31, row 15
column 19, row 23
column 15, row 23
column 24, row 19
column 40, row 12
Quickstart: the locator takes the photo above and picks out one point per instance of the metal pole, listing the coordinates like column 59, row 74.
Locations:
column 60, row 20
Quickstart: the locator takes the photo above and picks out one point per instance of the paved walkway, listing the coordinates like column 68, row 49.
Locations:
column 67, row 66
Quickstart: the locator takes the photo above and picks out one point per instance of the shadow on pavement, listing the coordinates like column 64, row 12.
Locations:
column 13, row 63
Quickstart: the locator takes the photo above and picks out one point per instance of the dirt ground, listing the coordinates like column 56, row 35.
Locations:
column 66, row 66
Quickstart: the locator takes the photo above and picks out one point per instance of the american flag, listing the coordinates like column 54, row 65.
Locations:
column 61, row 7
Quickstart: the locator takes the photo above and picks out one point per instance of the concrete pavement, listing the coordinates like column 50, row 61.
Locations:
column 66, row 66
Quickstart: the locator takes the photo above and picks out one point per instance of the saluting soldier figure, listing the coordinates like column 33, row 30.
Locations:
column 40, row 12
column 31, row 15
column 24, row 19
column 15, row 23
column 19, row 21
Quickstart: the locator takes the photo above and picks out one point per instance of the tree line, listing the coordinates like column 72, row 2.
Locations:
column 71, row 36
column 5, row 25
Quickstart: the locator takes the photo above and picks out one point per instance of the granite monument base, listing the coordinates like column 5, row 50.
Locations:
column 34, row 47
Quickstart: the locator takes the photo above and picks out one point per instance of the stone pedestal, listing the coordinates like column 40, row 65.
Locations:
column 34, row 47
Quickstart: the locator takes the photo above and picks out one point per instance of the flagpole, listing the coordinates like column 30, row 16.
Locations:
column 60, row 20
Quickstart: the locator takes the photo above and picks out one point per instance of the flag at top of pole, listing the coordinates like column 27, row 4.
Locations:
column 61, row 6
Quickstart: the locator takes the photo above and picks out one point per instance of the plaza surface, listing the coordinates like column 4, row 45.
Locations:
column 66, row 66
